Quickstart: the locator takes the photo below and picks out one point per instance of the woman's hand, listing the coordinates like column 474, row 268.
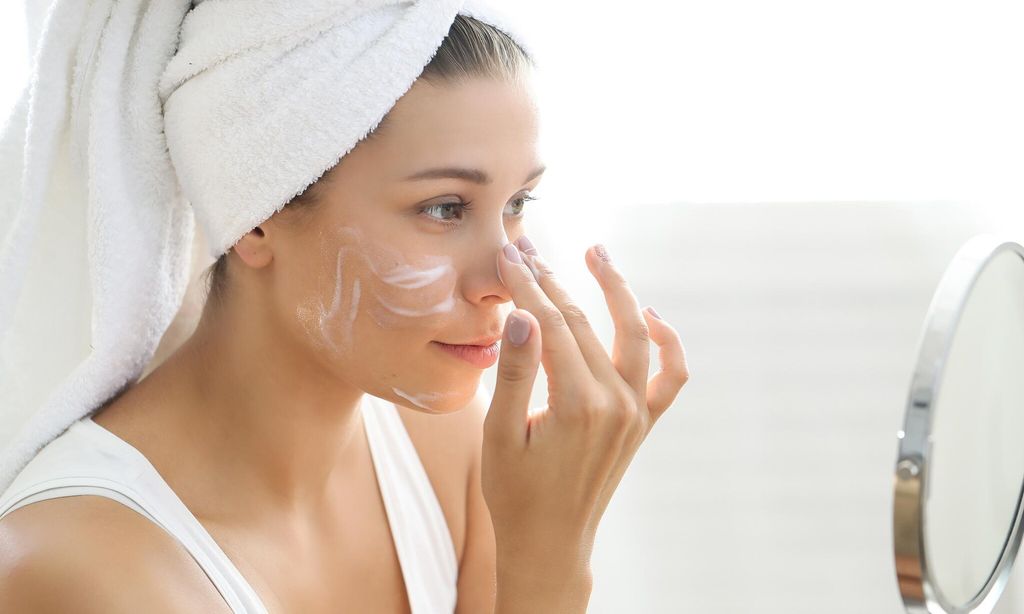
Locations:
column 548, row 475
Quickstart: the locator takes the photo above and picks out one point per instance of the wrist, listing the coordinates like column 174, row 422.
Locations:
column 542, row 591
column 558, row 581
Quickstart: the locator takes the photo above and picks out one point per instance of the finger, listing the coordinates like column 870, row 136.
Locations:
column 661, row 391
column 560, row 354
column 507, row 417
column 673, row 372
column 590, row 346
column 631, row 353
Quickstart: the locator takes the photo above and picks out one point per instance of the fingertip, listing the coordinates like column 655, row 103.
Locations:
column 601, row 265
column 518, row 329
column 526, row 315
column 649, row 310
column 515, row 260
column 661, row 331
column 602, row 253
column 593, row 261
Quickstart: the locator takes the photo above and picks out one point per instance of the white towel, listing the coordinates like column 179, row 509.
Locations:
column 143, row 118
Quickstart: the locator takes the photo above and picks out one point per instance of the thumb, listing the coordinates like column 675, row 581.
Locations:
column 518, row 361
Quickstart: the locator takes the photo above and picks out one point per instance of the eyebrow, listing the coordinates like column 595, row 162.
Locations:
column 468, row 174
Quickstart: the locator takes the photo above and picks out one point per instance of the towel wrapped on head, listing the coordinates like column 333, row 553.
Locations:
column 144, row 119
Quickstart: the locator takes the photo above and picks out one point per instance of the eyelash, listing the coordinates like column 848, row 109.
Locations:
column 468, row 206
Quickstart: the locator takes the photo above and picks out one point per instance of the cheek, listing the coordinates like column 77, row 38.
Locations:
column 411, row 295
column 394, row 291
column 328, row 314
column 366, row 294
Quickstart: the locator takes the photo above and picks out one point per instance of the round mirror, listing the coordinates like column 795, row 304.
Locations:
column 960, row 466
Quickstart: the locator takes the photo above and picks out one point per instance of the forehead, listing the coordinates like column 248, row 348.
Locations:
column 474, row 119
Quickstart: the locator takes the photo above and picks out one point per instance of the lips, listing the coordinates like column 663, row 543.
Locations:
column 480, row 341
column 481, row 357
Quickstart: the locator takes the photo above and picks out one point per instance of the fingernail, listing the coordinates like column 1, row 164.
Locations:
column 518, row 329
column 525, row 245
column 653, row 312
column 512, row 254
column 602, row 253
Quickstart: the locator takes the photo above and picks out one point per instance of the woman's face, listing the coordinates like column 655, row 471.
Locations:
column 392, row 261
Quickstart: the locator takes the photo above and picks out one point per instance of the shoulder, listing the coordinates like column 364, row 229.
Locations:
column 88, row 553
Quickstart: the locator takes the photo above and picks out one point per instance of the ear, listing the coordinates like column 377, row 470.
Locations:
column 254, row 248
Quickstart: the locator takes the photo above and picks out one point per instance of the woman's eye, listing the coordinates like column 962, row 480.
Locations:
column 444, row 208
column 522, row 203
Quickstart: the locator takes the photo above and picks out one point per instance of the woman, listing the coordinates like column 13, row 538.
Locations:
column 386, row 277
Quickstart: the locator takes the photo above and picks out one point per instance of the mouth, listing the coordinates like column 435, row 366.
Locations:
column 480, row 356
column 478, row 342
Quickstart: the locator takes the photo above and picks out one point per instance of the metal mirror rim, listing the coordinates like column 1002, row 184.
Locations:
column 917, row 587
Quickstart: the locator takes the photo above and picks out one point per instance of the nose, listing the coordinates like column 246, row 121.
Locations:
column 480, row 283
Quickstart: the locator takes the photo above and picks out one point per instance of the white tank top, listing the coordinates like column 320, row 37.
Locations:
column 87, row 459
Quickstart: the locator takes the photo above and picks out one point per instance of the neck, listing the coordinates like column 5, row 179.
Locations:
column 276, row 425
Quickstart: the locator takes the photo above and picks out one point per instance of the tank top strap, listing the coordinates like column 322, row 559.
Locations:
column 87, row 459
column 425, row 548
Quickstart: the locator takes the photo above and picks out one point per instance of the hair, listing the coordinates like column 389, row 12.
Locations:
column 472, row 48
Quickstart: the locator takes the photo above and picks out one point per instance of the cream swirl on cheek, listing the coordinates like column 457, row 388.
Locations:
column 405, row 276
column 318, row 319
column 407, row 293
column 402, row 294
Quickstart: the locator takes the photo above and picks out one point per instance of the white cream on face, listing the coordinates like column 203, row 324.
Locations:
column 413, row 291
column 352, row 310
column 406, row 292
column 316, row 318
column 405, row 276
column 423, row 400
column 441, row 307
column 402, row 295
column 324, row 316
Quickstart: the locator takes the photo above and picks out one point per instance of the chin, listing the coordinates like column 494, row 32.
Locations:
column 452, row 395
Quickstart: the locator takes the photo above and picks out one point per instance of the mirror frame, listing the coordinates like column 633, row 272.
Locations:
column 916, row 585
